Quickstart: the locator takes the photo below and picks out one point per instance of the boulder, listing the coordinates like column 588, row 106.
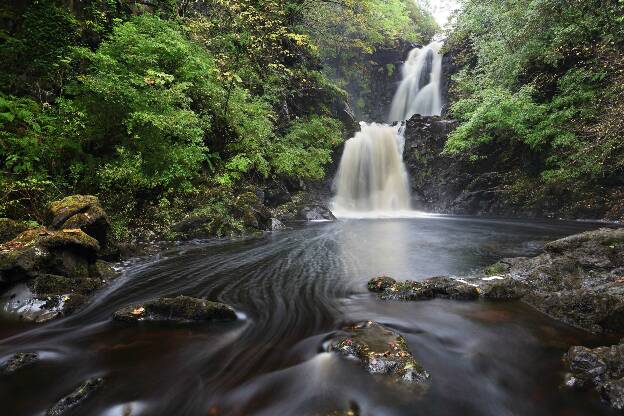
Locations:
column 380, row 350
column 178, row 309
column 67, row 252
column 9, row 229
column 600, row 368
column 18, row 361
column 315, row 213
column 75, row 398
column 80, row 212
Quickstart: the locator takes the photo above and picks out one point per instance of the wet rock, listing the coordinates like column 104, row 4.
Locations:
column 501, row 288
column 65, row 252
column 381, row 283
column 601, row 368
column 21, row 303
column 381, row 351
column 276, row 225
column 18, row 361
column 9, row 229
column 316, row 213
column 75, row 398
column 578, row 280
column 178, row 309
column 435, row 287
column 80, row 212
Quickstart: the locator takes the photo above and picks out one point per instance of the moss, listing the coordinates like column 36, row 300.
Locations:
column 496, row 269
column 60, row 211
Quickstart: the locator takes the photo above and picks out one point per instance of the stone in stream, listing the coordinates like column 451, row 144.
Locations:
column 601, row 368
column 380, row 350
column 178, row 309
column 18, row 361
column 76, row 397
column 435, row 287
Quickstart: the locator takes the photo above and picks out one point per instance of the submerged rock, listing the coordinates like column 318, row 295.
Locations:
column 76, row 397
column 601, row 368
column 381, row 351
column 435, row 287
column 20, row 302
column 178, row 309
column 18, row 361
column 80, row 212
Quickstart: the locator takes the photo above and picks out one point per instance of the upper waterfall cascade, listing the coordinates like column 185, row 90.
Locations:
column 372, row 180
column 420, row 90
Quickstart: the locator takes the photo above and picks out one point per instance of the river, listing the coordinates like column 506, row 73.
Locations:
column 292, row 290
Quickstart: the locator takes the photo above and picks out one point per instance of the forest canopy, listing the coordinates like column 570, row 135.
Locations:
column 154, row 105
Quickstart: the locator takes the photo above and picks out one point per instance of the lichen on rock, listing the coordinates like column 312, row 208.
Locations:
column 382, row 351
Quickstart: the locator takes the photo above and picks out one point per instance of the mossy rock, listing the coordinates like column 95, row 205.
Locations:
column 178, row 309
column 18, row 361
column 9, row 229
column 80, row 212
column 435, row 287
column 380, row 350
column 496, row 269
column 381, row 283
column 39, row 250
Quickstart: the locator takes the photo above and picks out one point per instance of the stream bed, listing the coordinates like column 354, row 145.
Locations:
column 292, row 290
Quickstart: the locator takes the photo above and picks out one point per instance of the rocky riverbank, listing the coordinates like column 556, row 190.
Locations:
column 578, row 280
column 500, row 185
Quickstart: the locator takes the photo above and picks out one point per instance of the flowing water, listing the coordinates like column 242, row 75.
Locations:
column 293, row 290
column 372, row 179
column 420, row 89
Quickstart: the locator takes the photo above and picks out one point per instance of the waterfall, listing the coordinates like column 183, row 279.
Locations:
column 372, row 177
column 372, row 180
column 419, row 91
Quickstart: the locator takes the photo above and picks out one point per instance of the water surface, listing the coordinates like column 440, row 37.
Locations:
column 294, row 289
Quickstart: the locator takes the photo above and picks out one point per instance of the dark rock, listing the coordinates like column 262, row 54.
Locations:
column 18, row 361
column 179, row 309
column 9, row 229
column 601, row 368
column 76, row 397
column 494, row 288
column 381, row 351
column 435, row 287
column 316, row 213
column 80, row 212
column 276, row 193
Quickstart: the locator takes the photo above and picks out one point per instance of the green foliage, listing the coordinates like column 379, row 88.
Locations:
column 539, row 78
column 307, row 147
column 32, row 59
column 148, row 111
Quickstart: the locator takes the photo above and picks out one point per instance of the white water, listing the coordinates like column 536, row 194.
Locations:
column 420, row 89
column 371, row 179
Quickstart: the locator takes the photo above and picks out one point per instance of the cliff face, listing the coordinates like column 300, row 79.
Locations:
column 496, row 186
column 371, row 87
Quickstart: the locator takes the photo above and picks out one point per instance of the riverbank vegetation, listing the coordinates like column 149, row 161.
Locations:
column 540, row 93
column 164, row 107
